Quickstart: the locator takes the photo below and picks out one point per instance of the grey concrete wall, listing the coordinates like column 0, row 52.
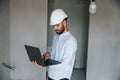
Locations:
column 104, row 42
column 28, row 25
column 4, row 39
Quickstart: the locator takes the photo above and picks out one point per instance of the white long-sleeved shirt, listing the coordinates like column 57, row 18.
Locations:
column 63, row 49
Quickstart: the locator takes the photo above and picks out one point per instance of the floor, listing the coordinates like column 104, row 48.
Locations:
column 79, row 74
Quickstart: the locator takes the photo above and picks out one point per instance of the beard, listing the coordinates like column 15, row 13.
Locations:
column 60, row 31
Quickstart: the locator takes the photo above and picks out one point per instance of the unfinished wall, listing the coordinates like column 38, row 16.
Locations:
column 104, row 42
column 4, row 39
column 28, row 26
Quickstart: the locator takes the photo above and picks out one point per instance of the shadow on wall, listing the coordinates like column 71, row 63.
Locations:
column 116, row 2
column 1, row 2
column 118, row 75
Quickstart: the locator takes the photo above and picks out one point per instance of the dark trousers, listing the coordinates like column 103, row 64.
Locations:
column 60, row 79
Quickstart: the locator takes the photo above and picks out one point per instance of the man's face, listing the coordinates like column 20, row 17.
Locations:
column 59, row 28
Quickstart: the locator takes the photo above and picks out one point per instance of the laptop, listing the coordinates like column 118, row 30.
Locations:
column 35, row 54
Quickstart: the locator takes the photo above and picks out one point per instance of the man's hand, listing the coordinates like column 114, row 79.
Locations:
column 46, row 56
column 36, row 64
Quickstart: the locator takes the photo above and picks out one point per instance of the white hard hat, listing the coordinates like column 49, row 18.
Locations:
column 57, row 16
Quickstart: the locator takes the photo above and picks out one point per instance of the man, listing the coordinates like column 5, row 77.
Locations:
column 63, row 48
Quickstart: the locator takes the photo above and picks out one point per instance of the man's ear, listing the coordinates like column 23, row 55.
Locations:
column 64, row 22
